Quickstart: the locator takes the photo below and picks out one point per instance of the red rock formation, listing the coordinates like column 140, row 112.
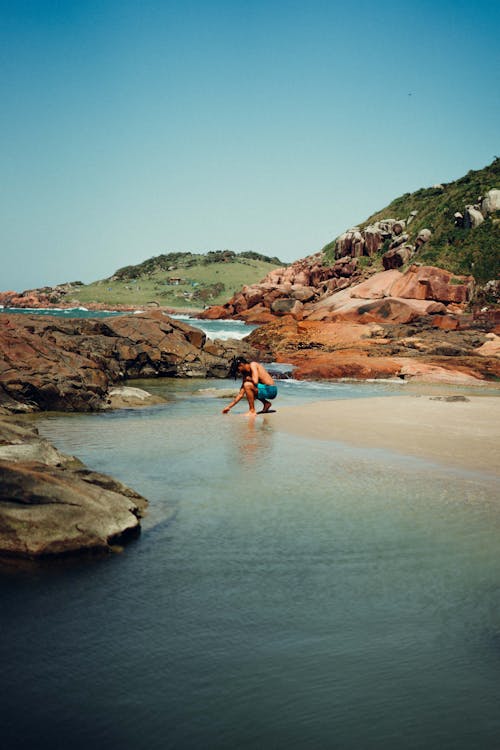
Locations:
column 330, row 294
column 430, row 283
column 320, row 349
column 69, row 364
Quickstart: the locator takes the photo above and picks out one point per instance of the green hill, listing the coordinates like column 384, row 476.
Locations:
column 473, row 251
column 181, row 279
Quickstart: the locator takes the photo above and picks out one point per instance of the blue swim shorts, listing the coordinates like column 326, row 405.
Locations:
column 266, row 391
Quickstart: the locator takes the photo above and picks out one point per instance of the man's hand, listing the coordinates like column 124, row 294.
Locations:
column 226, row 410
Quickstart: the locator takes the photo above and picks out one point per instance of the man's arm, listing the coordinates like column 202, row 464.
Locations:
column 255, row 373
column 233, row 403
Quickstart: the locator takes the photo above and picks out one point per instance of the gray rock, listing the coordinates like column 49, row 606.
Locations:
column 490, row 202
column 50, row 504
column 125, row 396
column 473, row 217
column 423, row 236
column 397, row 257
column 399, row 240
column 303, row 293
column 287, row 306
column 48, row 510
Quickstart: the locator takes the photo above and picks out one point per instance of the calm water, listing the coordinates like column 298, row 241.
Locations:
column 284, row 593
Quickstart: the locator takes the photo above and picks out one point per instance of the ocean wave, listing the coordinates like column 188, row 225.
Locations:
column 339, row 384
column 223, row 334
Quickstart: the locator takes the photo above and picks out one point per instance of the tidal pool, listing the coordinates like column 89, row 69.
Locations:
column 284, row 593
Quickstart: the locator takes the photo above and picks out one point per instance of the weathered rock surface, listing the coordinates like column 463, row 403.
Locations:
column 50, row 504
column 304, row 282
column 357, row 350
column 430, row 283
column 421, row 290
column 70, row 364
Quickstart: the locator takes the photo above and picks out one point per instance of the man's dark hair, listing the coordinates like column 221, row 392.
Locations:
column 233, row 369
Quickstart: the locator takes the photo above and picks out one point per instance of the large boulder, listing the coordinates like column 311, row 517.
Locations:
column 472, row 217
column 303, row 293
column 49, row 510
column 51, row 504
column 422, row 237
column 397, row 257
column 70, row 364
column 216, row 312
column 288, row 306
column 377, row 286
column 490, row 202
column 430, row 283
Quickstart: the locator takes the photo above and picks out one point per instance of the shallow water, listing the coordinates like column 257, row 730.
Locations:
column 285, row 593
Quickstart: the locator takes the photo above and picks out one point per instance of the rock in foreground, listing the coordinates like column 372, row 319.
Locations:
column 54, row 505
column 70, row 365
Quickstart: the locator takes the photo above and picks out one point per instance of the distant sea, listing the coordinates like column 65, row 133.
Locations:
column 221, row 329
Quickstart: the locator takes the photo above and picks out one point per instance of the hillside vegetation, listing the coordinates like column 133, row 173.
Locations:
column 180, row 279
column 464, row 250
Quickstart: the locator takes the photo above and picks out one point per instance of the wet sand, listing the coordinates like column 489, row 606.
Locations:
column 464, row 434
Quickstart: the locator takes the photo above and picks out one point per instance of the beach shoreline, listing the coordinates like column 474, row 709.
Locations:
column 459, row 431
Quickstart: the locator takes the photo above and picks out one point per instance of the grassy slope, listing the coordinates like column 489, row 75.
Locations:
column 217, row 281
column 475, row 251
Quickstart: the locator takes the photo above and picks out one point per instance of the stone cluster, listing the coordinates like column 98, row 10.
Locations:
column 474, row 214
column 341, row 292
column 422, row 350
column 62, row 295
column 286, row 291
column 389, row 233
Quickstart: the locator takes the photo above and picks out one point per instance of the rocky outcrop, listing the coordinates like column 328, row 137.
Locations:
column 70, row 364
column 474, row 214
column 386, row 233
column 62, row 295
column 50, row 504
column 339, row 295
column 429, row 283
column 286, row 290
column 417, row 350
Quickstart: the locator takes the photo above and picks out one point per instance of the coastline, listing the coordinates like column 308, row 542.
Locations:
column 102, row 307
column 460, row 433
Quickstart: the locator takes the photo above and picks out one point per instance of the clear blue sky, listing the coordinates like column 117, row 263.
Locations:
column 133, row 128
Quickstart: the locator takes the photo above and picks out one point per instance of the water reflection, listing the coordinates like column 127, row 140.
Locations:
column 252, row 441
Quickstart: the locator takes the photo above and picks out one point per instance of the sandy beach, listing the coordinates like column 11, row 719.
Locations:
column 464, row 434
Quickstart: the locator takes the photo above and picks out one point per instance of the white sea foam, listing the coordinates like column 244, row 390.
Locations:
column 223, row 334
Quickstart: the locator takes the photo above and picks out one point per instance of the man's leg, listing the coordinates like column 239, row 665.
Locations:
column 267, row 405
column 250, row 393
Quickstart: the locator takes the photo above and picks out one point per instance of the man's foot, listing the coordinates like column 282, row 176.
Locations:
column 250, row 413
column 267, row 406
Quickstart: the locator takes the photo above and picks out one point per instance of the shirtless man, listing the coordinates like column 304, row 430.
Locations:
column 257, row 384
